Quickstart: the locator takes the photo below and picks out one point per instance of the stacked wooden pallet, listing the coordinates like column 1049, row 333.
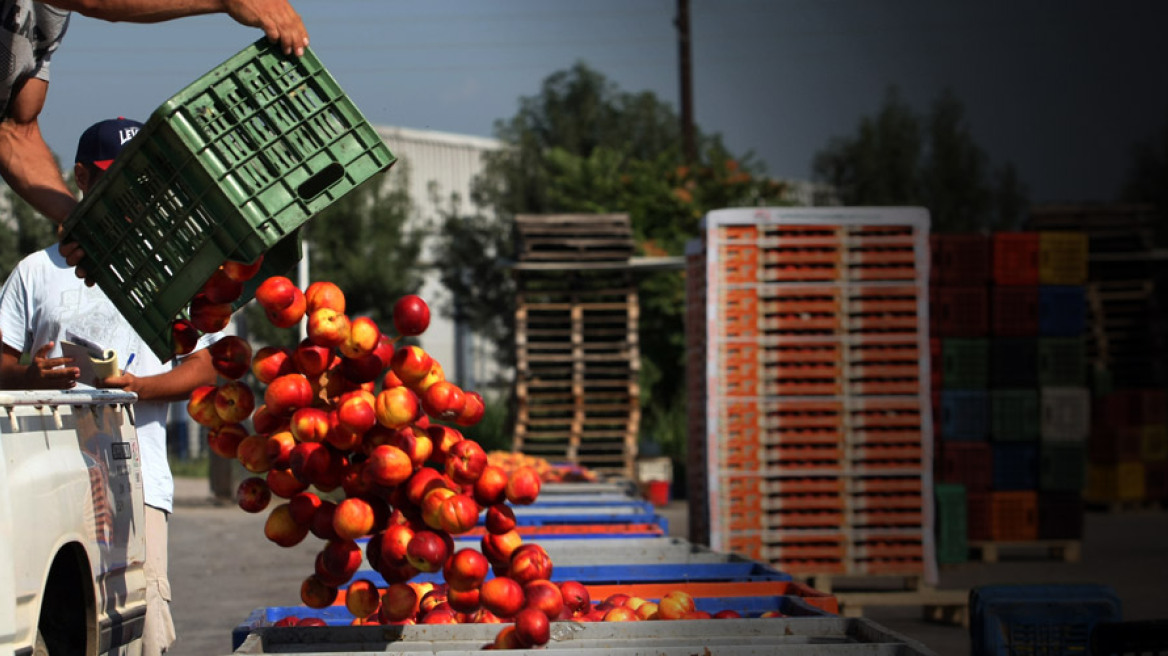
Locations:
column 1126, row 342
column 577, row 348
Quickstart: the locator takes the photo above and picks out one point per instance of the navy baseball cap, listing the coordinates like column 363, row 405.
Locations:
column 101, row 142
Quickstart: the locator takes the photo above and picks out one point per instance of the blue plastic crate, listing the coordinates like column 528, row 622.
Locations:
column 736, row 572
column 1016, row 466
column 789, row 605
column 965, row 415
column 1062, row 310
column 1051, row 620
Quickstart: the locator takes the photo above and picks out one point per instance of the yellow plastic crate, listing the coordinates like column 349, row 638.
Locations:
column 1154, row 443
column 1062, row 258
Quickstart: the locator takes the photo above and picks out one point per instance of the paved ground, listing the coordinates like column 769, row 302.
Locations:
column 223, row 568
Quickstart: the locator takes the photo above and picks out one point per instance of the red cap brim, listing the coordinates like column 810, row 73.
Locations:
column 103, row 164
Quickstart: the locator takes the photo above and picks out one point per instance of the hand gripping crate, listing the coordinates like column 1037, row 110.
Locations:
column 227, row 168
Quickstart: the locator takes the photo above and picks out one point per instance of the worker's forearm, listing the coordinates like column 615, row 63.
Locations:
column 178, row 383
column 139, row 11
column 31, row 171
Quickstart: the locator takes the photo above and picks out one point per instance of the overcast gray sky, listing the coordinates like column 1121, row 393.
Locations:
column 1062, row 88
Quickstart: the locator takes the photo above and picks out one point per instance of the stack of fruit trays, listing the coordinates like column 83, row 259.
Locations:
column 808, row 352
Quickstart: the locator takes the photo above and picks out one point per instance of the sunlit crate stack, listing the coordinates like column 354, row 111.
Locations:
column 808, row 352
column 1011, row 383
column 577, row 350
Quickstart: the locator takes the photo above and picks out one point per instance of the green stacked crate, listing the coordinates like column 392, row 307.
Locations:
column 952, row 545
column 1062, row 361
column 1014, row 415
column 965, row 363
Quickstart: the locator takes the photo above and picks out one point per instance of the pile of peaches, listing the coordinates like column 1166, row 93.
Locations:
column 353, row 436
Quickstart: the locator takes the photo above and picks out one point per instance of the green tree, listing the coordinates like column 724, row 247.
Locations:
column 25, row 231
column 581, row 145
column 361, row 243
column 901, row 158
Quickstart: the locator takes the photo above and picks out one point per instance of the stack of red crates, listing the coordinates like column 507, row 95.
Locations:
column 813, row 451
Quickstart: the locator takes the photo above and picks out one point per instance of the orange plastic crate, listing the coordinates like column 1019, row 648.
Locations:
column 804, row 549
column 1014, row 516
column 809, row 414
column 746, row 233
column 885, row 485
column 804, row 485
column 795, row 236
column 884, row 387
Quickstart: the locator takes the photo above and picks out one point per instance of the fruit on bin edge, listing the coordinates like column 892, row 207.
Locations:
column 234, row 401
column 201, row 406
column 328, row 328
column 283, row 484
column 224, row 441
column 411, row 315
column 490, row 488
column 222, row 288
column 503, row 596
column 231, row 356
column 288, row 393
column 523, row 486
column 185, row 336
column 362, row 339
column 411, row 363
column 458, row 514
column 399, row 602
column 443, row 400
column 282, row 529
column 500, row 518
column 388, row 466
column 362, row 598
column 324, row 294
column 276, row 293
column 279, row 446
column 253, row 495
column 396, row 407
column 466, row 569
column 252, row 453
column 532, row 627
column 271, row 362
column 290, row 315
column 316, row 594
column 545, row 596
column 427, row 551
column 312, row 359
column 242, row 271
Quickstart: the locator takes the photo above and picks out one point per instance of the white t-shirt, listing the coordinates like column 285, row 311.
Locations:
column 43, row 298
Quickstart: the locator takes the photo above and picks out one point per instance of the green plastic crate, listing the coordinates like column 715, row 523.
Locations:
column 952, row 542
column 965, row 363
column 1062, row 362
column 1062, row 467
column 227, row 168
column 1014, row 415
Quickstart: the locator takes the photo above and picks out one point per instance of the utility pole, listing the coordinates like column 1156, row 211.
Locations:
column 688, row 145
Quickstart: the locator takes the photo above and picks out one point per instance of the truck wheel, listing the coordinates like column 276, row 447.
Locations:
column 40, row 648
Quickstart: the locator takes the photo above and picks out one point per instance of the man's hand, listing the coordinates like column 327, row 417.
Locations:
column 71, row 251
column 123, row 381
column 276, row 18
column 51, row 373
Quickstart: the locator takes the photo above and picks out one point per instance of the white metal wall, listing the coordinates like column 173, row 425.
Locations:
column 442, row 164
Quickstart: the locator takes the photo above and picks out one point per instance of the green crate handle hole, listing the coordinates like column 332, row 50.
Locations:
column 321, row 180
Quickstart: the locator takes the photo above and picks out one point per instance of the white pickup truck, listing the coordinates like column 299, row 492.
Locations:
column 72, row 541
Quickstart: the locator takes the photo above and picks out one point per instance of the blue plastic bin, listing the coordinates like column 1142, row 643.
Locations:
column 1062, row 310
column 1016, row 466
column 1052, row 620
column 965, row 415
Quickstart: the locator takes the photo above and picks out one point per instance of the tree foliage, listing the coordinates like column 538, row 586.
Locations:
column 898, row 157
column 360, row 243
column 581, row 145
column 27, row 231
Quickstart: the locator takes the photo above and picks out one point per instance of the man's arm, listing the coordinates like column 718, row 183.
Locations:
column 26, row 162
column 174, row 385
column 42, row 373
column 276, row 18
